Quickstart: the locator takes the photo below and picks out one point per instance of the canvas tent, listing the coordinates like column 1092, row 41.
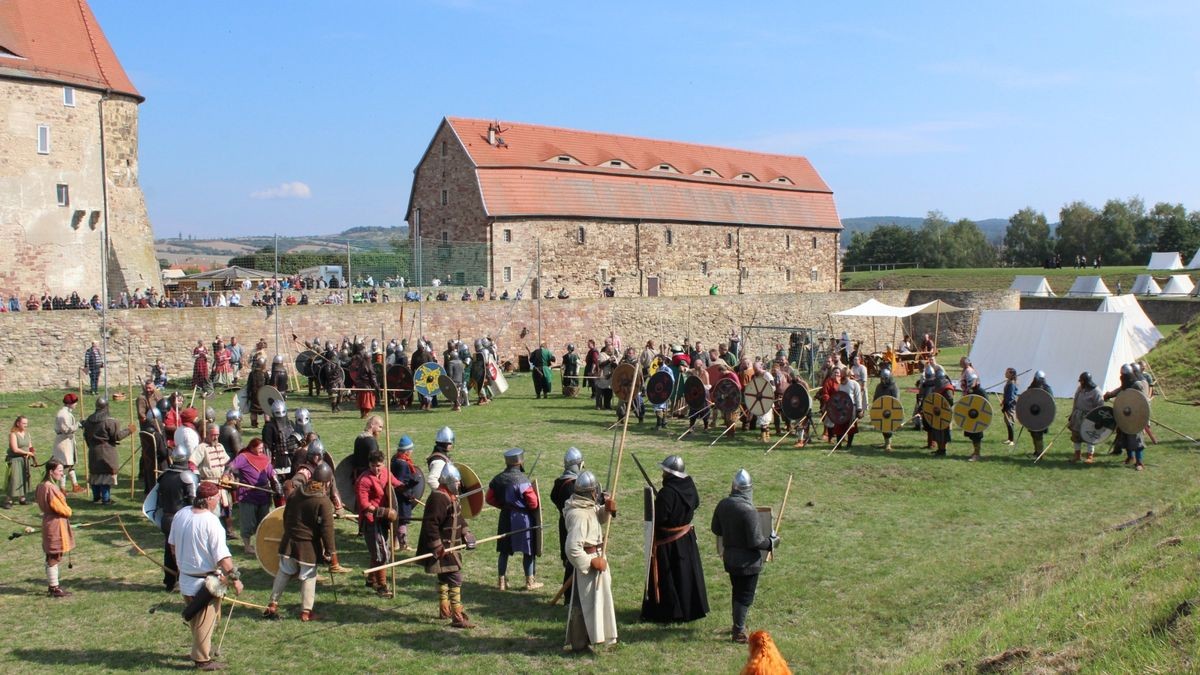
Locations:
column 1145, row 285
column 876, row 309
column 1140, row 329
column 1165, row 261
column 1032, row 286
column 1178, row 284
column 1062, row 343
column 1088, row 287
column 1195, row 263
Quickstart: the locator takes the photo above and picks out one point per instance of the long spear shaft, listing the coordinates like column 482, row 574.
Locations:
column 782, row 507
column 1047, row 448
column 132, row 420
column 452, row 549
column 620, row 454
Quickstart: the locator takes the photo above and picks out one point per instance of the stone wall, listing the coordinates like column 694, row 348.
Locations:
column 1160, row 310
column 45, row 349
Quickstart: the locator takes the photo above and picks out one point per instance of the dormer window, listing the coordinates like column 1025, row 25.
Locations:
column 746, row 176
column 783, row 180
column 665, row 167
column 563, row 159
column 616, row 164
column 707, row 172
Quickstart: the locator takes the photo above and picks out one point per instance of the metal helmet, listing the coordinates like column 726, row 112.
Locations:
column 1137, row 369
column 164, row 405
column 374, row 345
column 1039, row 376
column 885, row 375
column 514, row 457
column 971, row 379
column 316, row 449
column 929, row 372
column 233, row 414
column 154, row 413
column 405, row 443
column 278, row 409
column 445, row 435
column 302, row 417
column 1085, row 379
column 741, row 481
column 1126, row 369
column 210, row 414
column 478, row 344
column 573, row 459
column 101, row 403
column 451, row 479
column 939, row 371
column 323, row 473
column 586, row 484
column 278, row 360
column 570, row 347
column 180, row 454
column 673, row 465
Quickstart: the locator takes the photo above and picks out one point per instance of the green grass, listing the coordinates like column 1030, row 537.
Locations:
column 996, row 278
column 894, row 562
column 1176, row 361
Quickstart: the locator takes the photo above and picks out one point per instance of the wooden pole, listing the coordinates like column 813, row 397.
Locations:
column 1047, row 448
column 937, row 319
column 781, row 439
column 86, row 476
column 387, row 479
column 132, row 419
column 782, row 507
column 620, row 454
column 426, row 556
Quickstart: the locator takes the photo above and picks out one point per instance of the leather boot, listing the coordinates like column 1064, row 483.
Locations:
column 460, row 619
column 444, row 609
column 336, row 567
column 532, row 584
column 381, row 585
column 502, row 583
column 1077, row 456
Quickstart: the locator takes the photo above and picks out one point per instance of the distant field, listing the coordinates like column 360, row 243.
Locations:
column 997, row 278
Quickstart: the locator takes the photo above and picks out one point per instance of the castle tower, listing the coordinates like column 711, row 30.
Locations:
column 68, row 157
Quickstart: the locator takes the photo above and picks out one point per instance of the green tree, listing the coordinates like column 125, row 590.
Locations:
column 1116, row 234
column 1077, row 226
column 882, row 245
column 967, row 246
column 1175, row 230
column 1027, row 241
column 932, row 240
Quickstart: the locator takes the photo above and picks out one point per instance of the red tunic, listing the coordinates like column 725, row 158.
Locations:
column 370, row 493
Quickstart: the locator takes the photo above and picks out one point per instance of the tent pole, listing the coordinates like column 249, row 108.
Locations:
column 874, row 339
column 937, row 318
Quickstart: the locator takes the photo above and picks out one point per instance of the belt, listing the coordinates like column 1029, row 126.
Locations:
column 668, row 535
column 592, row 549
column 202, row 575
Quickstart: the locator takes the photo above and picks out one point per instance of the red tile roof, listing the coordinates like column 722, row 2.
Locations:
column 60, row 41
column 523, row 177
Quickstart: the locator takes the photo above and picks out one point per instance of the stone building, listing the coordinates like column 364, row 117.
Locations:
column 68, row 157
column 649, row 217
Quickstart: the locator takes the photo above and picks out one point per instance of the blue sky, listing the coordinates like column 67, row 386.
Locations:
column 309, row 117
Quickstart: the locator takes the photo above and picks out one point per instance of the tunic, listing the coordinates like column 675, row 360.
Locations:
column 735, row 520
column 443, row 526
column 103, row 434
column 564, row 488
column 675, row 590
column 406, row 472
column 200, row 367
column 513, row 493
column 65, row 426
column 307, row 528
column 57, row 537
column 592, row 618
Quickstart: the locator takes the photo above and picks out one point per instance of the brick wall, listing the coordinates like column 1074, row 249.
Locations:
column 45, row 349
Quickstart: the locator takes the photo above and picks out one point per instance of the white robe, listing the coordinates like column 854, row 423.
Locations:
column 65, row 426
column 591, row 593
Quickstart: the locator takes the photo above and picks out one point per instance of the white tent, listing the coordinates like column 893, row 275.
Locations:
column 875, row 308
column 1179, row 284
column 1140, row 329
column 1062, row 343
column 1032, row 286
column 1145, row 285
column 1195, row 263
column 1165, row 261
column 1088, row 287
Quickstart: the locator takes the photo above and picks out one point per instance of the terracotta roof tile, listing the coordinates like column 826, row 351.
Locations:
column 60, row 41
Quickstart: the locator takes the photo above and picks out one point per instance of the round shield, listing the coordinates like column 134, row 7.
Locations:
column 329, row 375
column 727, row 396
column 425, row 380
column 622, row 380
column 268, row 395
column 1097, row 425
column 1131, row 410
column 656, row 364
column 659, row 386
column 693, row 392
column 973, row 413
column 937, row 411
column 359, row 377
column 343, row 476
column 472, row 505
column 400, row 378
column 266, row 541
column 887, row 414
column 1035, row 409
column 150, row 507
column 416, row 486
column 796, row 402
column 304, row 362
column 449, row 389
column 840, row 408
column 759, row 396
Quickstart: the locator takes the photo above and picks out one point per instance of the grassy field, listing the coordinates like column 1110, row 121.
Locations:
column 899, row 563
column 997, row 278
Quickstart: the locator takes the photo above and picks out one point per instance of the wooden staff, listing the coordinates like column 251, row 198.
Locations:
column 86, row 476
column 727, row 429
column 427, row 556
column 782, row 507
column 132, row 419
column 235, row 483
column 776, row 443
column 853, row 425
column 620, row 455
column 228, row 620
column 1047, row 448
column 193, row 399
column 387, row 478
column 1177, row 433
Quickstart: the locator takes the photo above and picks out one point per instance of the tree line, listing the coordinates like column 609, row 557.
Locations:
column 1123, row 232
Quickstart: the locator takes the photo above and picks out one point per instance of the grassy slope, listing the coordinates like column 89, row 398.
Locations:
column 1176, row 361
column 897, row 562
column 997, row 278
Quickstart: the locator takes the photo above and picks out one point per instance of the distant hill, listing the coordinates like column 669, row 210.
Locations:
column 993, row 228
column 218, row 251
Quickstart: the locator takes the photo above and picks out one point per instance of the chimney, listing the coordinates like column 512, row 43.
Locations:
column 492, row 129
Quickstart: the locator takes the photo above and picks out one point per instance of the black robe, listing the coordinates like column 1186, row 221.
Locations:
column 679, row 594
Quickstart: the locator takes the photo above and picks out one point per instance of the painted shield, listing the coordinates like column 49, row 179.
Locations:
column 499, row 382
column 656, row 364
column 416, row 487
column 796, row 402
column 344, row 477
column 268, row 395
column 473, row 504
column 1035, row 409
column 887, row 414
column 1131, row 410
column 840, row 408
column 659, row 386
column 449, row 389
column 622, row 380
column 400, row 379
column 759, row 396
column 693, row 392
column 425, row 380
column 535, row 519
column 973, row 413
column 266, row 541
column 727, row 396
column 150, row 508
column 1097, row 425
column 647, row 534
column 304, row 363
column 937, row 411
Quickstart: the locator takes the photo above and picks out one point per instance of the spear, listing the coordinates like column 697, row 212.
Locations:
column 644, row 474
column 1047, row 448
column 452, row 549
column 781, row 439
column 782, row 507
column 620, row 454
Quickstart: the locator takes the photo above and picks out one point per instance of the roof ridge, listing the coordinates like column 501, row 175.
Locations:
column 92, row 41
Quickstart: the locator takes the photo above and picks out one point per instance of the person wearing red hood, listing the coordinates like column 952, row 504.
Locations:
column 187, row 437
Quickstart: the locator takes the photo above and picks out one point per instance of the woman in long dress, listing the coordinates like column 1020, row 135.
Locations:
column 57, row 538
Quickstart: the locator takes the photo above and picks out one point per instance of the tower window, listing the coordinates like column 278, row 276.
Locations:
column 69, row 97
column 445, row 237
column 670, row 237
column 43, row 139
column 728, row 240
column 507, row 236
column 508, row 274
column 788, row 274
column 581, row 236
column 814, row 243
column 63, row 193
column 704, row 267
column 787, row 241
column 443, row 148
column 445, row 197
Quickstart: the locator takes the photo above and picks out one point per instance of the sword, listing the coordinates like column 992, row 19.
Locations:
column 644, row 474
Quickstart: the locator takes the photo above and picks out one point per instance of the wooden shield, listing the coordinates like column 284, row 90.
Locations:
column 659, row 386
column 937, row 411
column 1131, row 410
column 1035, row 409
column 448, row 388
column 416, row 487
column 973, row 413
column 400, row 379
column 656, row 364
column 759, row 396
column 472, row 505
column 693, row 392
column 647, row 533
column 1097, row 425
column 622, row 380
column 766, row 525
column 425, row 380
column 266, row 541
column 840, row 408
column 499, row 382
column 796, row 402
column 150, row 507
column 727, row 396
column 268, row 395
column 304, row 363
column 343, row 476
column 887, row 414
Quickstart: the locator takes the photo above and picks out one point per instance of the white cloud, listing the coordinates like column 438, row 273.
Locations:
column 292, row 190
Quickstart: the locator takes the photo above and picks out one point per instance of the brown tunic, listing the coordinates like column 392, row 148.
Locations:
column 57, row 537
column 307, row 528
column 443, row 526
